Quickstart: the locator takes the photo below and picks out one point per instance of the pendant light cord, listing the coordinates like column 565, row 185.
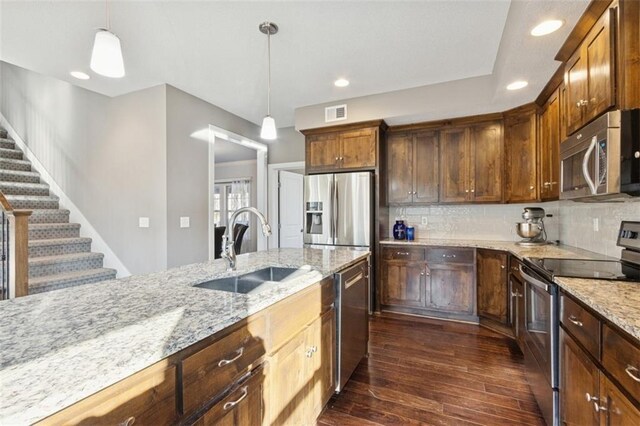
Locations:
column 269, row 71
column 106, row 11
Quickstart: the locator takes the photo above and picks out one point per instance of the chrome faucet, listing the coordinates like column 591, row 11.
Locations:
column 228, row 245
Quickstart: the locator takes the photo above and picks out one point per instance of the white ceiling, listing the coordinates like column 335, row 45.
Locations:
column 213, row 49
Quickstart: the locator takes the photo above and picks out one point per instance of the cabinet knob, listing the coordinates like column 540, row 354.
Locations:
column 466, row 190
column 636, row 154
column 409, row 192
column 473, row 190
column 502, row 267
column 590, row 398
column 547, row 184
column 599, row 407
column 532, row 188
column 415, row 193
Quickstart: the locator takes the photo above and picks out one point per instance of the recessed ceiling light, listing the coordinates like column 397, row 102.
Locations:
column 80, row 75
column 546, row 27
column 516, row 85
column 341, row 82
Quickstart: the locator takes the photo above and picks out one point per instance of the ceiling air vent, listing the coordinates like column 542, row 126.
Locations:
column 335, row 113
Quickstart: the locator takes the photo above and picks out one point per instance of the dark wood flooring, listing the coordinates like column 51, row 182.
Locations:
column 432, row 372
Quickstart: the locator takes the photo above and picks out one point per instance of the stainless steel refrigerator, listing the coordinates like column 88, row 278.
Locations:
column 338, row 210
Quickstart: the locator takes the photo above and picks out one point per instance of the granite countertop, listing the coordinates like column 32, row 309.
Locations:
column 78, row 341
column 549, row 250
column 617, row 301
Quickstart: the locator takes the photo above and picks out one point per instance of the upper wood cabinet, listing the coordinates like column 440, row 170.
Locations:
column 493, row 285
column 349, row 147
column 522, row 155
column 471, row 163
column 412, row 167
column 549, row 145
column 590, row 74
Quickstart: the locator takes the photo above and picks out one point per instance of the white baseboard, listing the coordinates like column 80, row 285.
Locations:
column 75, row 215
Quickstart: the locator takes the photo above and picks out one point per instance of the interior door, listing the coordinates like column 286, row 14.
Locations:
column 353, row 209
column 290, row 206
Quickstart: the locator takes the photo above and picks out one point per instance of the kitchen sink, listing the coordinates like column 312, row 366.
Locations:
column 254, row 282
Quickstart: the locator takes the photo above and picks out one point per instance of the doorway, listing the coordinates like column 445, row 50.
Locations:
column 241, row 181
column 286, row 188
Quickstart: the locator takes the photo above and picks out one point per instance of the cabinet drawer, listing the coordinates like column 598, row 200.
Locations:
column 244, row 405
column 621, row 358
column 210, row 371
column 581, row 324
column 146, row 398
column 402, row 253
column 450, row 255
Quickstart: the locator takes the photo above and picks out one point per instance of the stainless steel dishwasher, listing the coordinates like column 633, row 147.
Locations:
column 352, row 311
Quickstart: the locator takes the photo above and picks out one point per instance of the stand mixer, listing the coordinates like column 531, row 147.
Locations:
column 532, row 229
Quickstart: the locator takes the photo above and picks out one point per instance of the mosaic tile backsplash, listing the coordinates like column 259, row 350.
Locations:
column 571, row 222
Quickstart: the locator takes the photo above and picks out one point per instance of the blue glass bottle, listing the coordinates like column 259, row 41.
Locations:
column 399, row 230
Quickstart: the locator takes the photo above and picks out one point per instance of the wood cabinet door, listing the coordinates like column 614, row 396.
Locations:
column 550, row 149
column 403, row 283
column 451, row 289
column 289, row 382
column 425, row 167
column 599, row 50
column 575, row 81
column 522, row 176
column 578, row 377
column 492, row 285
column 454, row 165
column 619, row 410
column 243, row 406
column 321, row 343
column 358, row 149
column 322, row 152
column 487, row 163
column 400, row 168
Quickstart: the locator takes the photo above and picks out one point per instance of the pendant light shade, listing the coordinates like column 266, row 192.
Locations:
column 268, row 130
column 106, row 57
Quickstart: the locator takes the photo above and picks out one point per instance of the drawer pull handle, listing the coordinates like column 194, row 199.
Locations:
column 129, row 422
column 630, row 370
column 598, row 407
column 354, row 280
column 590, row 398
column 449, row 256
column 575, row 320
column 232, row 404
column 402, row 253
column 224, row 362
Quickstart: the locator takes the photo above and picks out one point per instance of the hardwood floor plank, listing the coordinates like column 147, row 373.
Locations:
column 424, row 371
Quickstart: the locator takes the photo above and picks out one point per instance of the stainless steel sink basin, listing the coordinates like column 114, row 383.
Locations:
column 253, row 282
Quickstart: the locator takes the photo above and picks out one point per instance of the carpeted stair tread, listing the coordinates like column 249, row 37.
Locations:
column 24, row 188
column 19, row 176
column 11, row 153
column 58, row 241
column 13, row 164
column 64, row 258
column 70, row 279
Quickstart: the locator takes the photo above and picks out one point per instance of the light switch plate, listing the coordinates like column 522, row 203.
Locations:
column 143, row 222
column 184, row 222
column 425, row 220
column 596, row 224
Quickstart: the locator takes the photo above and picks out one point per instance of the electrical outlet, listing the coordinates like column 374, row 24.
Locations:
column 596, row 224
column 425, row 220
column 184, row 222
column 143, row 222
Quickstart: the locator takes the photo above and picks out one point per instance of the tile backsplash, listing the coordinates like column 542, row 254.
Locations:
column 572, row 223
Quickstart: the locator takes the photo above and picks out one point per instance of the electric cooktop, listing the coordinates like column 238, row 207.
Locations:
column 580, row 268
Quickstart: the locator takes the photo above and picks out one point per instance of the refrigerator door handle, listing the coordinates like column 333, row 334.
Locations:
column 335, row 216
column 332, row 232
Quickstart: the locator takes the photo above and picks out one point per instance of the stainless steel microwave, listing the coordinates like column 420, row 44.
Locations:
column 602, row 160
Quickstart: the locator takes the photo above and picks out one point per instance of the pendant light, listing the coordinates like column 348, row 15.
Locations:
column 268, row 130
column 106, row 56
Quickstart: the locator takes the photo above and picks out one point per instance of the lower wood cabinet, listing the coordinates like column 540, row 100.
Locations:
column 301, row 378
column 493, row 285
column 244, row 405
column 591, row 388
column 437, row 281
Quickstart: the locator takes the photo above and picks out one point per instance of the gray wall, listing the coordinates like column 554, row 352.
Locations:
column 107, row 155
column 188, row 172
column 289, row 147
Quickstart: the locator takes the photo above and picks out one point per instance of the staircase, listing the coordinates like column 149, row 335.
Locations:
column 58, row 256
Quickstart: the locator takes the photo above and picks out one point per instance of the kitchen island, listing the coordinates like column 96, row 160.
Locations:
column 60, row 347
